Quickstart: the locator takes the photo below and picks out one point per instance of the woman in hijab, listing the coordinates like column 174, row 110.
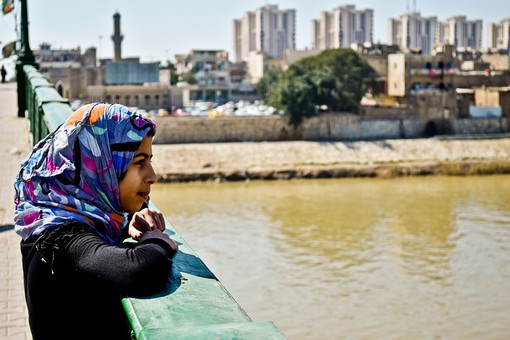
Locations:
column 79, row 194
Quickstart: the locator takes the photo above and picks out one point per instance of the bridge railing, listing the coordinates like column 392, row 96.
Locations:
column 194, row 304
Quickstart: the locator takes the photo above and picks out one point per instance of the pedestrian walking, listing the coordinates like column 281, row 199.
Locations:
column 3, row 72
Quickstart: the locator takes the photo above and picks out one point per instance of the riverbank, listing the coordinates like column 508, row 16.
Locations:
column 304, row 159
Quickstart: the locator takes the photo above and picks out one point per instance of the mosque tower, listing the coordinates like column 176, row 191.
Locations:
column 117, row 38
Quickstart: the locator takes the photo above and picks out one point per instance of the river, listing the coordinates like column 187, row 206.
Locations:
column 405, row 258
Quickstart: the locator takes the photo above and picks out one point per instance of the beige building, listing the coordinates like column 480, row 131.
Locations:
column 494, row 97
column 460, row 32
column 407, row 72
column 497, row 61
column 258, row 64
column 498, row 35
column 149, row 96
column 292, row 56
column 342, row 27
column 413, row 32
column 267, row 30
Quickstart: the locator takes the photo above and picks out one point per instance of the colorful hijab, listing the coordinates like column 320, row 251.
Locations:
column 74, row 173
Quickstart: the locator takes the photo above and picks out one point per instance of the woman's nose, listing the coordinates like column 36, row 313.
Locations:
column 151, row 176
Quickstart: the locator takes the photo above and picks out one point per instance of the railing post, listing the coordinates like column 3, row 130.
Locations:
column 25, row 57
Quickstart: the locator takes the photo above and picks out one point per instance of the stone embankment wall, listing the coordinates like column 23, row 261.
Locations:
column 325, row 127
column 308, row 159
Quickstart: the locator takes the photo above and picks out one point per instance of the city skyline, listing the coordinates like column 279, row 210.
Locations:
column 160, row 29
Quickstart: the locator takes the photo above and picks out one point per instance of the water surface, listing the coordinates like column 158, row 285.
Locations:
column 425, row 257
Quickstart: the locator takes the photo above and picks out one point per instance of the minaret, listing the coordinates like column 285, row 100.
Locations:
column 117, row 38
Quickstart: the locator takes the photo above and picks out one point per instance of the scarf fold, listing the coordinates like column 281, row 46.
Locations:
column 74, row 173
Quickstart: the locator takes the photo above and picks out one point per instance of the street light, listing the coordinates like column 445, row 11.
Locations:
column 25, row 57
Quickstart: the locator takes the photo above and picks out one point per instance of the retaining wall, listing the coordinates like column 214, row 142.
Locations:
column 325, row 127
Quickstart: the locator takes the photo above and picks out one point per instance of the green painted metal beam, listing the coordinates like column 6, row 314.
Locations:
column 193, row 299
column 55, row 113
column 235, row 331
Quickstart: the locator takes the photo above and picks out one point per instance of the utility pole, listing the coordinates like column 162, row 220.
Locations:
column 25, row 57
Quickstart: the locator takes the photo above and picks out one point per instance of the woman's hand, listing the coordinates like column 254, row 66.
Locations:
column 145, row 220
column 162, row 236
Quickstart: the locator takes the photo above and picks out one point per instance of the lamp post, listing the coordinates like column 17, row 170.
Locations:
column 25, row 57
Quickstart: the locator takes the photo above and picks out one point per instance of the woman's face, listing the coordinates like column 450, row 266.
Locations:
column 136, row 185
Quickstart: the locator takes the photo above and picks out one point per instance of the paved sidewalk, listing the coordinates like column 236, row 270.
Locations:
column 13, row 147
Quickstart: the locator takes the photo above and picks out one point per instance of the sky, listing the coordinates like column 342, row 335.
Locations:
column 156, row 30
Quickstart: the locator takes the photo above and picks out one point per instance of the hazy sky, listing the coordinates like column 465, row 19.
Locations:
column 156, row 29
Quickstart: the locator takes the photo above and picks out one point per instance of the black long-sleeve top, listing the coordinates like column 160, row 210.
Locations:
column 74, row 281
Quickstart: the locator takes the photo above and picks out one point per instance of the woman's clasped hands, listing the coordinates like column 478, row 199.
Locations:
column 148, row 223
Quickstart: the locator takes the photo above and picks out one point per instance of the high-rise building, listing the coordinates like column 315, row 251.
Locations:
column 499, row 35
column 413, row 32
column 342, row 27
column 461, row 33
column 267, row 30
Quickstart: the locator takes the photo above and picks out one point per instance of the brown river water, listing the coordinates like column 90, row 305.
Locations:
column 405, row 258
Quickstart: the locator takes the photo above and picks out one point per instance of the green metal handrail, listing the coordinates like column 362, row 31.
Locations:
column 194, row 305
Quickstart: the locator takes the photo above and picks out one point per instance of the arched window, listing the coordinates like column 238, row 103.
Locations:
column 60, row 88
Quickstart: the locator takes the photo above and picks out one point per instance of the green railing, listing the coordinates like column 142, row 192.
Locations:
column 194, row 305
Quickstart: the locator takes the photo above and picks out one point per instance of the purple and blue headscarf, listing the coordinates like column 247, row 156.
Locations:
column 74, row 173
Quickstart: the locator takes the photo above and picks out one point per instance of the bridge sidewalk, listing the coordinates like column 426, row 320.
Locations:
column 14, row 145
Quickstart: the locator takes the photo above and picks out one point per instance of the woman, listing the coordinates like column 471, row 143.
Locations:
column 79, row 194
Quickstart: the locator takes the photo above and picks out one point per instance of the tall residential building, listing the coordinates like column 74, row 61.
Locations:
column 267, row 30
column 412, row 31
column 342, row 27
column 499, row 35
column 461, row 33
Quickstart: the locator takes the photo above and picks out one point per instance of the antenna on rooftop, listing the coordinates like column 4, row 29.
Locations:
column 414, row 6
column 407, row 6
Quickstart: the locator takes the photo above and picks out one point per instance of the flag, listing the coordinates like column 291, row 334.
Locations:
column 7, row 6
column 9, row 49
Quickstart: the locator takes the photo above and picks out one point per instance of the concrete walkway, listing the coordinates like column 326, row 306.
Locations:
column 14, row 146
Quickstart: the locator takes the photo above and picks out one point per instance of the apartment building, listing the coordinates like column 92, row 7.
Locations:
column 460, row 32
column 413, row 32
column 498, row 35
column 267, row 30
column 342, row 27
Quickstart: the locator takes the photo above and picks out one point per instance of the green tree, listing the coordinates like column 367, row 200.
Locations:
column 336, row 78
column 174, row 78
column 264, row 84
column 294, row 93
column 189, row 77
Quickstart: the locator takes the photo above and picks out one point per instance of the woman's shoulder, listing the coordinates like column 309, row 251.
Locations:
column 58, row 237
column 66, row 231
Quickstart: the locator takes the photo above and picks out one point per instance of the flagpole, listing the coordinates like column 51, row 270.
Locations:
column 25, row 57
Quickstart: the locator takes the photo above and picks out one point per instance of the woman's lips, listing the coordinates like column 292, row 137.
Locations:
column 144, row 194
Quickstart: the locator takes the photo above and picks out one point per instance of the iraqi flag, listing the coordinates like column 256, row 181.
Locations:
column 7, row 6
